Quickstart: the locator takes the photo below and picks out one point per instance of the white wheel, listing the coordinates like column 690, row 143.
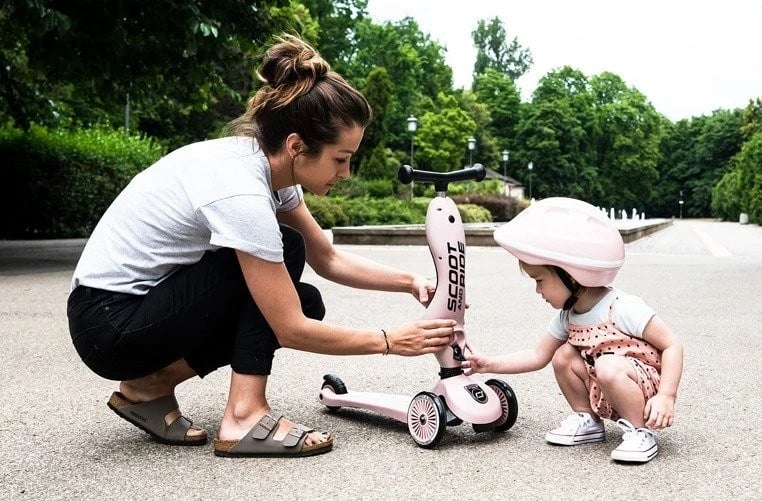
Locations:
column 426, row 419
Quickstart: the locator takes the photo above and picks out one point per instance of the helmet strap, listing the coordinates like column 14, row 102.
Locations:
column 570, row 284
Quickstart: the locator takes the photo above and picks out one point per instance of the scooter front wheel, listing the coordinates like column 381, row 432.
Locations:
column 508, row 403
column 426, row 419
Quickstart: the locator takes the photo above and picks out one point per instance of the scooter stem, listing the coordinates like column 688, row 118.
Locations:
column 447, row 243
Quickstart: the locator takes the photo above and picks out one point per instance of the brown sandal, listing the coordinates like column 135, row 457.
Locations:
column 149, row 417
column 259, row 442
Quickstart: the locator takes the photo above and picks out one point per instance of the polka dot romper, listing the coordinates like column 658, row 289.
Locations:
column 594, row 341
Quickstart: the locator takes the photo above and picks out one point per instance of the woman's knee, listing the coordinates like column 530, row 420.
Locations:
column 312, row 300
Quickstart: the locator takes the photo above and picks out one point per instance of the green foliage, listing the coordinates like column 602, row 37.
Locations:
column 340, row 211
column 494, row 52
column 57, row 183
column 378, row 93
column 443, row 135
column 499, row 94
column 695, row 154
column 414, row 62
column 470, row 213
column 726, row 196
column 485, row 187
column 187, row 67
column 379, row 165
column 500, row 207
column 750, row 167
column 380, row 188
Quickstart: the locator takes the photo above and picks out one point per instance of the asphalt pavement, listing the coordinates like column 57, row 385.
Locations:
column 58, row 440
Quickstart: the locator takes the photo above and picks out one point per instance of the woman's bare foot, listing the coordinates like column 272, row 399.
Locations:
column 160, row 384
column 235, row 429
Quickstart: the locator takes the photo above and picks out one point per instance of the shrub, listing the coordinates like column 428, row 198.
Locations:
column 57, row 183
column 501, row 207
column 335, row 211
column 471, row 213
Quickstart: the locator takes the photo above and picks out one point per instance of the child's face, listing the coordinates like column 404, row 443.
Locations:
column 548, row 285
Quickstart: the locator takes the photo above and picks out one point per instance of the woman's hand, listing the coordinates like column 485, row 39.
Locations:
column 420, row 337
column 423, row 289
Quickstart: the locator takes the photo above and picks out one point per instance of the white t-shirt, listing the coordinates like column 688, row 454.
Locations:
column 201, row 197
column 630, row 313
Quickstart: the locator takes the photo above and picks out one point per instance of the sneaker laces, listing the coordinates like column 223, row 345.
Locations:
column 632, row 433
column 576, row 419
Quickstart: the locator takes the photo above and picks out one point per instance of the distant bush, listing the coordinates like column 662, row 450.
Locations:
column 471, row 213
column 57, row 183
column 335, row 211
column 501, row 207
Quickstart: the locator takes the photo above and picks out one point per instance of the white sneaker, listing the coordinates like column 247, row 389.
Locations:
column 638, row 444
column 579, row 428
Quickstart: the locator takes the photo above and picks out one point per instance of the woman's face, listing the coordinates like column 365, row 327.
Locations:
column 548, row 284
column 319, row 175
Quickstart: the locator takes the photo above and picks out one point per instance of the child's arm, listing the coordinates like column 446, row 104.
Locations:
column 514, row 363
column 659, row 411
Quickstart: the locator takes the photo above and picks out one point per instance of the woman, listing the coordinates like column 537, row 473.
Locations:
column 197, row 265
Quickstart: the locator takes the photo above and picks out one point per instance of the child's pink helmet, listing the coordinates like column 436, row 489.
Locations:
column 568, row 233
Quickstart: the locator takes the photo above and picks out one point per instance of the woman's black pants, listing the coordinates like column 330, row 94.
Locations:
column 202, row 313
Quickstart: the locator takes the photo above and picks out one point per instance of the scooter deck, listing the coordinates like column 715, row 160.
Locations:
column 390, row 405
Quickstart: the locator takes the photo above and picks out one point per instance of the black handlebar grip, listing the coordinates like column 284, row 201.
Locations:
column 407, row 175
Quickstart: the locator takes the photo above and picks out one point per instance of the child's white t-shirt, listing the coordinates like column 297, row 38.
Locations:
column 630, row 313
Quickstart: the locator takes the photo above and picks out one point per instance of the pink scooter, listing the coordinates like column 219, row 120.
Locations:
column 456, row 397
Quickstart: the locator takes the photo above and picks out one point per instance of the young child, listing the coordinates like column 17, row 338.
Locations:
column 613, row 357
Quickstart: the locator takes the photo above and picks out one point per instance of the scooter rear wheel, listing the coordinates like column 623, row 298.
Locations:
column 336, row 385
column 426, row 419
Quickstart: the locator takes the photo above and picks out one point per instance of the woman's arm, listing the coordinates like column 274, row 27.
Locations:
column 273, row 291
column 350, row 269
column 517, row 362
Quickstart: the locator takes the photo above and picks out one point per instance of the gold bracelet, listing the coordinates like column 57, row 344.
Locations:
column 386, row 338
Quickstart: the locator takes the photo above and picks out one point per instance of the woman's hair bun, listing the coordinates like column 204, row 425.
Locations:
column 292, row 63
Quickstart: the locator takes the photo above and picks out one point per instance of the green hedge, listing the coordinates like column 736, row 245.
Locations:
column 334, row 211
column 500, row 207
column 57, row 183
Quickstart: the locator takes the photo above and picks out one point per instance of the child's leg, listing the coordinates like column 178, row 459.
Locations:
column 618, row 381
column 571, row 375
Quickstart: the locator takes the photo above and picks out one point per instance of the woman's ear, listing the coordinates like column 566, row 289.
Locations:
column 294, row 145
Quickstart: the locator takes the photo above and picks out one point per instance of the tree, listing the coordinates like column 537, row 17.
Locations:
column 555, row 134
column 494, row 51
column 696, row 155
column 442, row 135
column 416, row 68
column 186, row 66
column 377, row 91
column 626, row 139
column 497, row 92
column 337, row 20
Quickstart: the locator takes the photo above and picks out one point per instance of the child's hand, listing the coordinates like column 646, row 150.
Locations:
column 475, row 362
column 659, row 412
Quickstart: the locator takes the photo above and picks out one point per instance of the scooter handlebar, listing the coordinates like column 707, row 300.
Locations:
column 407, row 175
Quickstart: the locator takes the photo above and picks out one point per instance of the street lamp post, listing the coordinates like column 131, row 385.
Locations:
column 506, row 154
column 681, row 202
column 471, row 148
column 412, row 126
column 530, row 167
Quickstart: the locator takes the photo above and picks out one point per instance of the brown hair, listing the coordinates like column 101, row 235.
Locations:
column 300, row 95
